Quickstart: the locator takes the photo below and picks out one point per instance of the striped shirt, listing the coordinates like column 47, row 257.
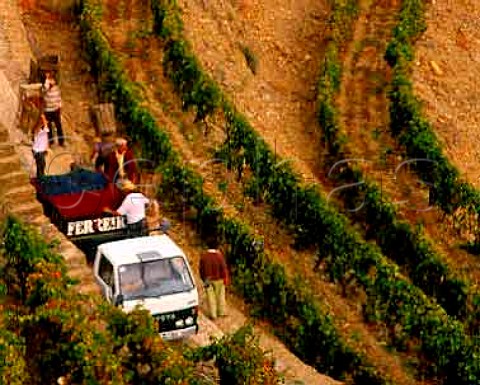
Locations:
column 52, row 98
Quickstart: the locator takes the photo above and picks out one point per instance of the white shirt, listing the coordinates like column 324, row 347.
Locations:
column 133, row 206
column 40, row 142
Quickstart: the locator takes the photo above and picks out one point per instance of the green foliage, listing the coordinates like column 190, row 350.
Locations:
column 311, row 216
column 91, row 344
column 85, row 342
column 183, row 69
column 167, row 19
column 396, row 239
column 250, row 58
column 411, row 25
column 410, row 127
column 13, row 370
column 340, row 21
column 33, row 272
column 145, row 358
column 332, row 70
column 64, row 341
column 195, row 88
column 240, row 360
column 414, row 132
column 47, row 281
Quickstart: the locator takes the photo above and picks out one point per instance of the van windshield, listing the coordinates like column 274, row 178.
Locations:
column 154, row 278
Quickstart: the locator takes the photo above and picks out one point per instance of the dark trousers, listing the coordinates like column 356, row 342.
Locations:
column 40, row 161
column 55, row 118
column 99, row 162
column 137, row 229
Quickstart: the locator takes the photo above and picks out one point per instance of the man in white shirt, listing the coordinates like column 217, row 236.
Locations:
column 40, row 145
column 133, row 207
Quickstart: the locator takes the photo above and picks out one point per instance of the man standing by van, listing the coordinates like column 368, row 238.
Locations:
column 214, row 274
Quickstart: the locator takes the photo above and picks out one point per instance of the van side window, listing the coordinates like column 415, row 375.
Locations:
column 106, row 271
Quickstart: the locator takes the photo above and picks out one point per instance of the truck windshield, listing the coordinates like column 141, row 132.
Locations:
column 155, row 278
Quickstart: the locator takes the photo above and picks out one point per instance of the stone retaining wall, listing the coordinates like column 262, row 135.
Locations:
column 17, row 195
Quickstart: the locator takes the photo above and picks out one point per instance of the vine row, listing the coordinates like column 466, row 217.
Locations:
column 297, row 318
column 391, row 298
column 406, row 246
column 408, row 124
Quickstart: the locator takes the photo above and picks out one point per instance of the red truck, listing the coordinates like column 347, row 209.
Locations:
column 75, row 202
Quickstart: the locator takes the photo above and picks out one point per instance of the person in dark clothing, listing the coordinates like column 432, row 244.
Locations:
column 102, row 149
column 214, row 274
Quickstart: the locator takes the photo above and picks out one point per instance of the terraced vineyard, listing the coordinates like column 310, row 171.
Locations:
column 290, row 132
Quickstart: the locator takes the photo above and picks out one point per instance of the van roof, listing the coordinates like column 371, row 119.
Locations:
column 127, row 251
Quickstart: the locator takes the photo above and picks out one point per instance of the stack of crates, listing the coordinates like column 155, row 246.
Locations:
column 103, row 116
column 42, row 65
column 30, row 105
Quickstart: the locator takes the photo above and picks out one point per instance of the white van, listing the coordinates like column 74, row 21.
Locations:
column 151, row 272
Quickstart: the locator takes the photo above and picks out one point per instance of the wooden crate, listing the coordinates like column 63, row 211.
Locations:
column 103, row 116
column 59, row 6
column 30, row 106
column 42, row 65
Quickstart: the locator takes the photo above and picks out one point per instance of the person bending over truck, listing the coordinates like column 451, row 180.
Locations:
column 133, row 207
column 120, row 166
column 214, row 274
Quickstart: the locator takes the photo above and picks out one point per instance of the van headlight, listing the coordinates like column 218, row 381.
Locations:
column 179, row 323
column 189, row 321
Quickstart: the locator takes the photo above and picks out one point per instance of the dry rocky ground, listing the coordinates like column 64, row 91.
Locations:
column 446, row 77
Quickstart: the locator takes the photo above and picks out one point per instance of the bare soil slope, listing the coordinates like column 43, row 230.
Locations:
column 364, row 112
column 287, row 39
column 451, row 97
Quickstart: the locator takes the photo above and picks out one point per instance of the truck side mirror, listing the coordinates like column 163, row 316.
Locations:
column 118, row 300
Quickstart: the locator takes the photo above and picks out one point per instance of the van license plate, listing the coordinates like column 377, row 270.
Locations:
column 172, row 335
